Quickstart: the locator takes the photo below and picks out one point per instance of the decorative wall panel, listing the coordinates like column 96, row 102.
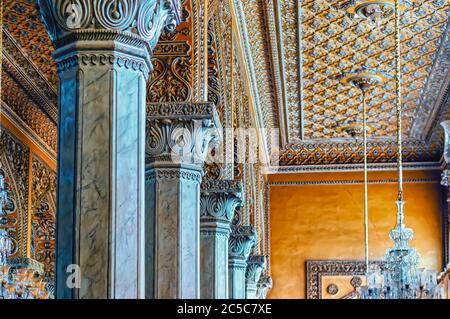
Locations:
column 43, row 217
column 171, row 78
column 14, row 158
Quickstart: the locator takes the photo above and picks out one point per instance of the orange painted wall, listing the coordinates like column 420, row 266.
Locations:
column 326, row 222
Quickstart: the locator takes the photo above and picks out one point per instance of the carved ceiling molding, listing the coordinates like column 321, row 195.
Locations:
column 315, row 269
column 25, row 112
column 382, row 151
column 435, row 92
column 354, row 167
column 23, row 70
column 356, row 182
column 278, row 64
column 23, row 21
column 259, row 74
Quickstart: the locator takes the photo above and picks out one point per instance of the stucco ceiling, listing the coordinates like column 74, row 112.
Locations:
column 310, row 43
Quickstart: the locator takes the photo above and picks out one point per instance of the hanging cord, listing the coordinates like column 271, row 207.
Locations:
column 400, row 215
column 366, row 206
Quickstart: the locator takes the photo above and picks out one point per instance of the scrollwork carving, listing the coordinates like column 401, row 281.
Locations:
column 145, row 18
column 219, row 199
column 242, row 240
column 255, row 267
column 180, row 133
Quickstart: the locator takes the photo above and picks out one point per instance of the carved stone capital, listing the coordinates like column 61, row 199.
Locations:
column 101, row 32
column 180, row 132
column 446, row 127
column 219, row 199
column 144, row 19
column 264, row 285
column 256, row 264
column 242, row 240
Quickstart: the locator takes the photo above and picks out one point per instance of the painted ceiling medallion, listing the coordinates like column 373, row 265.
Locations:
column 355, row 129
column 363, row 79
column 373, row 10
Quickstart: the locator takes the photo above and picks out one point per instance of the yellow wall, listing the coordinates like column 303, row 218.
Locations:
column 326, row 222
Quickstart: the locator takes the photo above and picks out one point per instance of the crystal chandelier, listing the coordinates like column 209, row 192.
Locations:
column 399, row 277
column 20, row 278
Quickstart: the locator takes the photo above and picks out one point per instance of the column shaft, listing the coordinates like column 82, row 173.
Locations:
column 178, row 136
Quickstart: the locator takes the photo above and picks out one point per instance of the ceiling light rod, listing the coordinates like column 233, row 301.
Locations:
column 363, row 80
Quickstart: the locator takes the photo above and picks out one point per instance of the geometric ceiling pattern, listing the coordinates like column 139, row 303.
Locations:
column 332, row 43
column 311, row 43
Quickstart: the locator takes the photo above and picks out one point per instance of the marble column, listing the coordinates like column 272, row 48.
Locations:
column 255, row 267
column 178, row 137
column 446, row 185
column 264, row 286
column 242, row 240
column 103, row 53
column 218, row 201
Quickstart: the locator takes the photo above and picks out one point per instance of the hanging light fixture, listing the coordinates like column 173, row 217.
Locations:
column 20, row 278
column 363, row 80
column 402, row 278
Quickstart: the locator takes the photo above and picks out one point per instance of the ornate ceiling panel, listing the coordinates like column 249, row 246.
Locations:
column 318, row 41
column 333, row 43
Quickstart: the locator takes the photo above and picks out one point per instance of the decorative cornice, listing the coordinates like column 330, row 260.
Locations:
column 219, row 199
column 446, row 126
column 350, row 182
column 376, row 167
column 242, row 240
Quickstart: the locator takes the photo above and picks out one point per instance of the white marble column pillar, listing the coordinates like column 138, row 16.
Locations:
column 242, row 240
column 445, row 182
column 255, row 267
column 218, row 201
column 103, row 52
column 178, row 137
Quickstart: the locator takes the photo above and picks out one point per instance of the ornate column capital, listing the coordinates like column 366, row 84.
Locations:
column 180, row 133
column 101, row 32
column 242, row 240
column 446, row 126
column 219, row 199
column 144, row 19
column 264, row 285
column 256, row 264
